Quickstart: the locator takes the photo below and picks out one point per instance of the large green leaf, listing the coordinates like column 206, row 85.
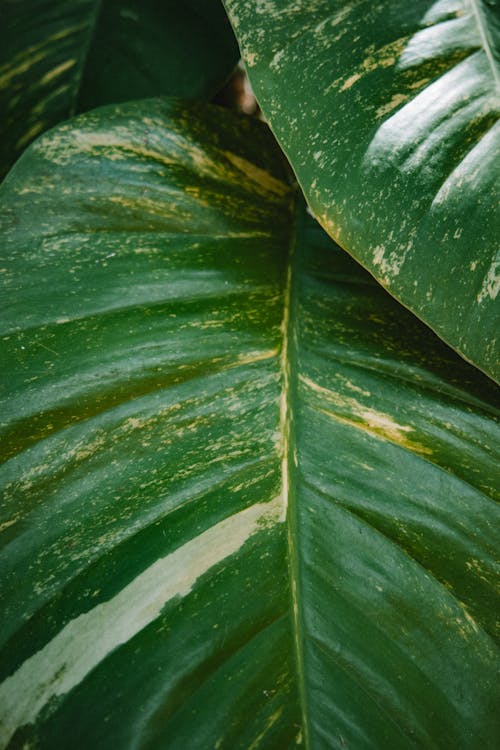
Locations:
column 58, row 57
column 248, row 499
column 388, row 113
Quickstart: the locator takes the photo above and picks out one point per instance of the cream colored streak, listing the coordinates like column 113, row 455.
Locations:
column 284, row 416
column 85, row 641
column 263, row 181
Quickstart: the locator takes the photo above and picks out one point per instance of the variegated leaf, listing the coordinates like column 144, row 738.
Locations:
column 248, row 501
column 59, row 57
column 388, row 113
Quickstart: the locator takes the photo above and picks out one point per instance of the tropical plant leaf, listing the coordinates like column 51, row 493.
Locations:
column 388, row 114
column 59, row 57
column 249, row 501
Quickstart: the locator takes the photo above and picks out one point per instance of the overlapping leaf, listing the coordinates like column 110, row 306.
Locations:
column 249, row 502
column 59, row 57
column 388, row 113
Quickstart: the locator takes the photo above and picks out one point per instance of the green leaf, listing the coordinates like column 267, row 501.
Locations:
column 388, row 114
column 58, row 58
column 248, row 500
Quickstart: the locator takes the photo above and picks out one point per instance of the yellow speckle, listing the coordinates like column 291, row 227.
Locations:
column 388, row 266
column 396, row 100
column 491, row 283
column 419, row 84
column 57, row 71
column 30, row 134
column 262, row 179
column 269, row 723
column 351, row 81
column 350, row 411
column 7, row 524
column 471, row 622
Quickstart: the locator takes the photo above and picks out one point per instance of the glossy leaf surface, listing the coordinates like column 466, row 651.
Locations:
column 249, row 501
column 60, row 57
column 388, row 113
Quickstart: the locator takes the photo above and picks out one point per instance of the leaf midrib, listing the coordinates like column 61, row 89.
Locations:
column 288, row 360
column 476, row 12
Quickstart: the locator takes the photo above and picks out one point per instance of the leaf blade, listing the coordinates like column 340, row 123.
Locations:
column 146, row 419
column 95, row 52
column 389, row 517
column 392, row 132
column 166, row 345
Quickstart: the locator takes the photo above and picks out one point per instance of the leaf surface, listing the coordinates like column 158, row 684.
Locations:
column 58, row 58
column 388, row 113
column 248, row 501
